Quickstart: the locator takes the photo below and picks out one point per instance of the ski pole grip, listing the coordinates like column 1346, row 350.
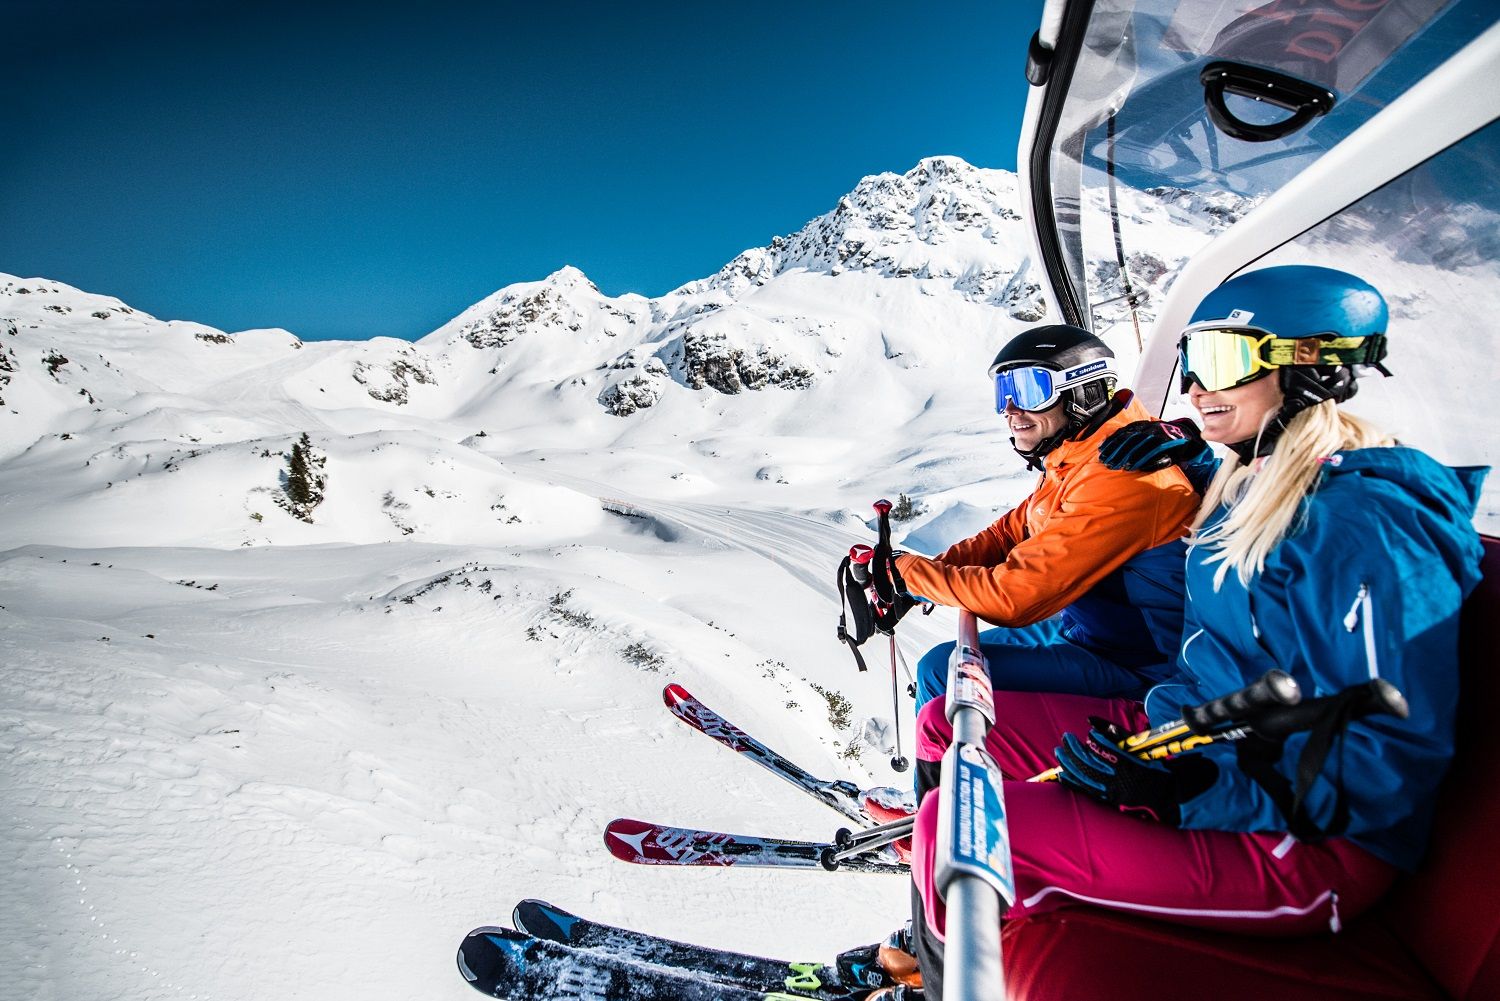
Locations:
column 859, row 562
column 1374, row 697
column 1273, row 690
column 882, row 506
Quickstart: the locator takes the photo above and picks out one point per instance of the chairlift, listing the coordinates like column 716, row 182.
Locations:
column 1247, row 133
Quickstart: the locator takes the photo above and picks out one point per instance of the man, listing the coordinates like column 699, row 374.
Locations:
column 1084, row 577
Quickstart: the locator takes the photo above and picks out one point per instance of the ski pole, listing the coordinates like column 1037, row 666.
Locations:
column 859, row 566
column 1370, row 698
column 1271, row 707
column 847, row 843
column 860, row 556
column 899, row 762
column 911, row 682
column 1197, row 723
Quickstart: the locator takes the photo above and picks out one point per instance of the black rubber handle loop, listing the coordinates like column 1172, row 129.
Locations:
column 1372, row 697
column 1304, row 100
column 1273, row 690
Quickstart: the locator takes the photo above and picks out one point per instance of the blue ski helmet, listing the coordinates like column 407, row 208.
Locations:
column 1295, row 301
column 1322, row 323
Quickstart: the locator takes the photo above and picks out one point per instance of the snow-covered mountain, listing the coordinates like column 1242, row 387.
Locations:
column 875, row 318
column 235, row 737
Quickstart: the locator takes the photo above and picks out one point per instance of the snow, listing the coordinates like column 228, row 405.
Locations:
column 249, row 756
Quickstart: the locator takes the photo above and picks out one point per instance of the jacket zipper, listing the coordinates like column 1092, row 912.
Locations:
column 1362, row 612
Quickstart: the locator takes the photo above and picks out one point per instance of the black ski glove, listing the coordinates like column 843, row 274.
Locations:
column 1096, row 767
column 881, row 584
column 1146, row 446
column 890, row 589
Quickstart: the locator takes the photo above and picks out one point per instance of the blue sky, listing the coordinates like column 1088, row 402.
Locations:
column 348, row 170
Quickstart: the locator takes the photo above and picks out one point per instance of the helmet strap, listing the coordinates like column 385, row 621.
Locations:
column 1302, row 386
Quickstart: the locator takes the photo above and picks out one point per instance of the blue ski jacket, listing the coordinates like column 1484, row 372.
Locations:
column 1368, row 584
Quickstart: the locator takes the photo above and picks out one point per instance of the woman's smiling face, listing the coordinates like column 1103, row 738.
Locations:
column 1234, row 415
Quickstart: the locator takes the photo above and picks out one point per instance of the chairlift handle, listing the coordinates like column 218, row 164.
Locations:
column 1305, row 100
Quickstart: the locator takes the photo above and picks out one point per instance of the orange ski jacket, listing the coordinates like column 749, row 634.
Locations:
column 1082, row 523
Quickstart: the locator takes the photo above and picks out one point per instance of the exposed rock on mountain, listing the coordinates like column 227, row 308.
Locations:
column 564, row 303
column 709, row 359
column 943, row 219
column 391, row 382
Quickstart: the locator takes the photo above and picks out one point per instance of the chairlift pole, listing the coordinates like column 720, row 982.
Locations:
column 972, row 870
column 1114, row 219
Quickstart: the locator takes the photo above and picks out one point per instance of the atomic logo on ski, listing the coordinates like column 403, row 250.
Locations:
column 649, row 844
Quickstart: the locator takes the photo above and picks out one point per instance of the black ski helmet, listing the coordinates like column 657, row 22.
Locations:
column 1061, row 347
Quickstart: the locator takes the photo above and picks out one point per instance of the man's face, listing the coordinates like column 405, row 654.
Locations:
column 1032, row 427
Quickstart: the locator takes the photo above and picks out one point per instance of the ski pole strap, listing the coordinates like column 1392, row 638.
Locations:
column 859, row 610
column 1326, row 719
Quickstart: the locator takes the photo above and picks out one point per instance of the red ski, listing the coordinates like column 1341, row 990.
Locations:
column 654, row 844
column 840, row 795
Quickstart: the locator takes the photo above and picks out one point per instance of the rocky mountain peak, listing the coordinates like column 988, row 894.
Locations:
column 570, row 277
column 897, row 225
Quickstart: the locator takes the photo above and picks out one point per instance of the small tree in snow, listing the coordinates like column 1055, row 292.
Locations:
column 906, row 509
column 303, row 482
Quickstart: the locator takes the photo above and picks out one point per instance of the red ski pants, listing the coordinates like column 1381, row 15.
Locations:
column 1068, row 849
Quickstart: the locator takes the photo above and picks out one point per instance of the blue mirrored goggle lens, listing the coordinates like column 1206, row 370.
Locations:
column 1028, row 388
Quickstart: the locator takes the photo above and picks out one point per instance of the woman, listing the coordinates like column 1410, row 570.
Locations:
column 1322, row 548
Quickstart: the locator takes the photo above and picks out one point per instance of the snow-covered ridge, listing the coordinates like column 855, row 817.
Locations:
column 854, row 323
column 942, row 219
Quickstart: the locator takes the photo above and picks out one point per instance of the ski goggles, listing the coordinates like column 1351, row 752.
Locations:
column 1219, row 358
column 1032, row 387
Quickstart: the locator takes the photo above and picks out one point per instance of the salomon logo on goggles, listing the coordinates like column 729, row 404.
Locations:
column 1032, row 387
column 1218, row 358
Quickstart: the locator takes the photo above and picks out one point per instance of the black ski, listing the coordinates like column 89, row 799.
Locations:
column 501, row 963
column 815, row 980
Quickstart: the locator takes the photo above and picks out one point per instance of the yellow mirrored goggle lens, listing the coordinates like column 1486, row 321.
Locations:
column 1221, row 359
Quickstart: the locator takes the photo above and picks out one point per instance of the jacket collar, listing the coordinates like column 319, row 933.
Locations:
column 1086, row 445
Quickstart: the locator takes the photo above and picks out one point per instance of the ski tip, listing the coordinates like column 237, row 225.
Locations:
column 483, row 955
column 675, row 694
column 625, row 838
column 543, row 920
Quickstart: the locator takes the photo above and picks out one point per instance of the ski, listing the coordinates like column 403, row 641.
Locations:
column 815, row 980
column 501, row 963
column 653, row 844
column 840, row 795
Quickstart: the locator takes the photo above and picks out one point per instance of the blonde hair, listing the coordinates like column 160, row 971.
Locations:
column 1265, row 497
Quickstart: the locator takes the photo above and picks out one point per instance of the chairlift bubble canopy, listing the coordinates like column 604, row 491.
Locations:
column 1170, row 144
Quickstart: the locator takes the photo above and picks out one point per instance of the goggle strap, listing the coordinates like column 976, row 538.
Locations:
column 1367, row 350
